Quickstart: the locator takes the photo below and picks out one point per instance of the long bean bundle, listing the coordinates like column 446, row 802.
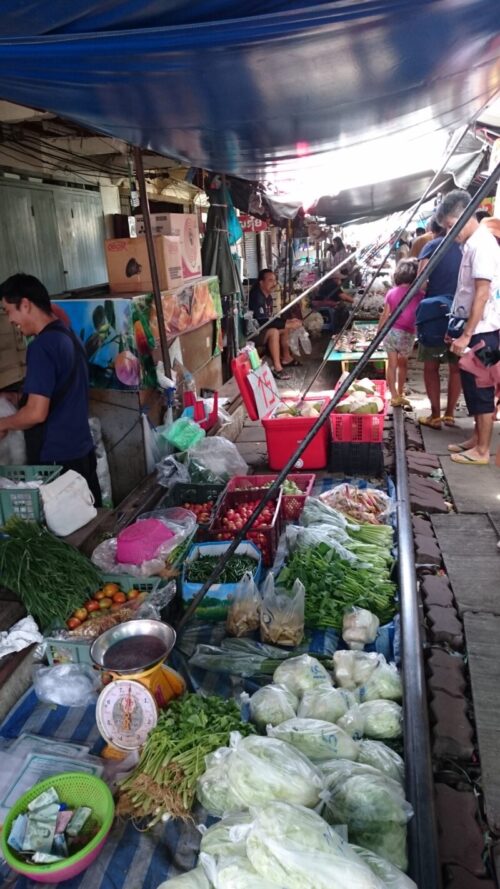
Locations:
column 51, row 577
column 164, row 781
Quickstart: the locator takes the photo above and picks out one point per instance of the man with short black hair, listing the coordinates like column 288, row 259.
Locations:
column 275, row 336
column 54, row 412
column 477, row 305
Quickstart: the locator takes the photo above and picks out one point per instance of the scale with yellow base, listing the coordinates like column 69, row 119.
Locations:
column 132, row 657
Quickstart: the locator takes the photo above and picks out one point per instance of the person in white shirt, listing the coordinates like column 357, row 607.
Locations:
column 477, row 302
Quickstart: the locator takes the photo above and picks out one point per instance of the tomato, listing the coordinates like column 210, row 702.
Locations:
column 119, row 598
column 109, row 589
column 91, row 606
column 100, row 594
column 73, row 623
column 105, row 603
column 133, row 593
column 81, row 614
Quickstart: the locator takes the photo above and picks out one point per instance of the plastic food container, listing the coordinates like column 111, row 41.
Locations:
column 366, row 428
column 24, row 503
column 216, row 602
column 76, row 789
column 284, row 434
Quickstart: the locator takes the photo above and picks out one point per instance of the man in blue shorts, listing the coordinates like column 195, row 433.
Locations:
column 477, row 305
column 54, row 411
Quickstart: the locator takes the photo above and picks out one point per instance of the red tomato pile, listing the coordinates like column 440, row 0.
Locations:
column 109, row 597
column 232, row 520
column 202, row 511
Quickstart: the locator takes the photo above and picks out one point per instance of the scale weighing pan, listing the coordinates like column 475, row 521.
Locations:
column 132, row 656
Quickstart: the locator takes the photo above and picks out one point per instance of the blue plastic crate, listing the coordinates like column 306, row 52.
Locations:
column 215, row 605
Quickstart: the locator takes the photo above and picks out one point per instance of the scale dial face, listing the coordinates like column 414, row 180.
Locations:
column 126, row 712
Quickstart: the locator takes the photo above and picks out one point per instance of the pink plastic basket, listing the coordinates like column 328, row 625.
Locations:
column 367, row 428
column 291, row 504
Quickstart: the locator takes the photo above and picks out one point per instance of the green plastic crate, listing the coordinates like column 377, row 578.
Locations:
column 25, row 503
column 77, row 651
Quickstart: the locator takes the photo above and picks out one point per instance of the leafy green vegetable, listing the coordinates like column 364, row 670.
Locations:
column 382, row 757
column 194, row 879
column 393, row 877
column 302, row 673
column 375, row 719
column 265, row 769
column 200, row 569
column 328, row 704
column 173, row 758
column 222, row 839
column 316, row 739
column 271, row 705
column 387, row 839
column 51, row 577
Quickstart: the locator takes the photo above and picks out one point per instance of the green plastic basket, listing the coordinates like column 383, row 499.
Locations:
column 75, row 789
column 25, row 503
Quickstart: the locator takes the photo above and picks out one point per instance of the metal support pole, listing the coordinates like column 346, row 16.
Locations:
column 141, row 179
column 422, row 830
column 342, row 389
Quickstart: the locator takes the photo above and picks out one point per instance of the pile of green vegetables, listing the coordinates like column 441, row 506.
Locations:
column 235, row 568
column 163, row 784
column 51, row 578
column 333, row 585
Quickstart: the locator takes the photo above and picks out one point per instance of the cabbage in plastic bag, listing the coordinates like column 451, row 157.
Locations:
column 227, row 838
column 265, row 769
column 353, row 668
column 234, row 873
column 393, row 877
column 300, row 674
column 387, row 839
column 375, row 719
column 383, row 758
column 213, row 789
column 316, row 739
column 325, row 703
column 383, row 684
column 194, row 879
column 296, row 849
column 271, row 705
column 360, row 796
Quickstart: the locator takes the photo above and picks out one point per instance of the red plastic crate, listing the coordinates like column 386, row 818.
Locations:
column 231, row 499
column 284, row 434
column 360, row 427
column 291, row 504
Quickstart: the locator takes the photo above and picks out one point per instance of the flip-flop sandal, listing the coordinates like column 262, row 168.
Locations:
column 293, row 363
column 458, row 448
column 433, row 422
column 448, row 421
column 465, row 460
column 281, row 375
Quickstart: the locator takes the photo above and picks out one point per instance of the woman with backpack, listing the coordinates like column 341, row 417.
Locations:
column 432, row 324
column 400, row 340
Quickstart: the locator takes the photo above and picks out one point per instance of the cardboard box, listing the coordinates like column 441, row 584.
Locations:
column 183, row 226
column 128, row 263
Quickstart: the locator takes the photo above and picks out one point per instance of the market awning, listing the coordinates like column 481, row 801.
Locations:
column 239, row 87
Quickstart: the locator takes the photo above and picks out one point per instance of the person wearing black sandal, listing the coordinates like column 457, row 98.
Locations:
column 275, row 336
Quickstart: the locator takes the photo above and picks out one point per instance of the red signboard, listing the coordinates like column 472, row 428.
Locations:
column 252, row 224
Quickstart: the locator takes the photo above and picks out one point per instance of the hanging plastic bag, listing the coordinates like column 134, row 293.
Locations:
column 375, row 719
column 103, row 473
column 12, row 445
column 299, row 674
column 305, row 341
column 149, row 438
column 272, row 705
column 215, row 459
column 282, row 614
column 243, row 615
column 184, row 433
column 170, row 471
column 359, row 628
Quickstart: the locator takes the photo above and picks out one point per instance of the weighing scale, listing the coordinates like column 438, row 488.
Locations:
column 127, row 707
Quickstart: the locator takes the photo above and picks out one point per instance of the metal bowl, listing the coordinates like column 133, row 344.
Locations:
column 129, row 630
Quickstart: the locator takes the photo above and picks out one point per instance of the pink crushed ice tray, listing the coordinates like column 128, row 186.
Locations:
column 140, row 542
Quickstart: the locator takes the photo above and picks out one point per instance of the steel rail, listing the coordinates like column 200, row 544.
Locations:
column 435, row 259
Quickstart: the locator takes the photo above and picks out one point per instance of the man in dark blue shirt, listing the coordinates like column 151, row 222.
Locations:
column 54, row 415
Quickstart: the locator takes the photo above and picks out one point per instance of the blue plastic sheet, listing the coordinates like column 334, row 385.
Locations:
column 238, row 87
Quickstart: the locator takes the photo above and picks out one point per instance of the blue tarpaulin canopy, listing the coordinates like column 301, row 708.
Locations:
column 237, row 87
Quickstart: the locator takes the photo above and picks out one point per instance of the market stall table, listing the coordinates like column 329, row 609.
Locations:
column 346, row 358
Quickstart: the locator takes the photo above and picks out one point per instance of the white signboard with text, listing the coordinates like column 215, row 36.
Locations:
column 264, row 389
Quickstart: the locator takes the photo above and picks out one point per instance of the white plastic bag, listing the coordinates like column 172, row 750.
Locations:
column 243, row 615
column 219, row 457
column 327, row 704
column 353, row 668
column 227, row 837
column 282, row 613
column 316, row 739
column 375, row 719
column 359, row 628
column 271, row 705
column 213, row 789
column 12, row 445
column 384, row 684
column 170, row 471
column 69, row 685
column 68, row 503
column 265, row 769
column 392, row 876
column 233, row 873
column 382, row 757
column 102, row 469
column 194, row 879
column 300, row 674
column 181, row 521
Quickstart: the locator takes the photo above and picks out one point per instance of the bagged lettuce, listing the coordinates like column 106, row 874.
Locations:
column 227, row 838
column 375, row 719
column 213, row 789
column 326, row 703
column 316, row 739
column 383, row 684
column 391, row 875
column 354, row 668
column 233, row 873
column 194, row 879
column 300, row 674
column 360, row 796
column 263, row 769
column 386, row 838
column 293, row 847
column 271, row 705
column 381, row 757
